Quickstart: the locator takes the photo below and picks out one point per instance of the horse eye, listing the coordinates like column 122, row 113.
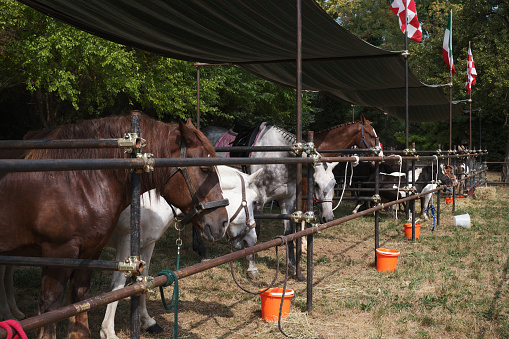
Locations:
column 205, row 169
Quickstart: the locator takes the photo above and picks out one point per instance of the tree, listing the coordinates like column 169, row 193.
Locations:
column 67, row 75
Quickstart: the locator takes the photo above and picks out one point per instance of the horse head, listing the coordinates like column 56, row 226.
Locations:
column 196, row 190
column 447, row 175
column 358, row 134
column 323, row 190
column 366, row 137
column 240, row 190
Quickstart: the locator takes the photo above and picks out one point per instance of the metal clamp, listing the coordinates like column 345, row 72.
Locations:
column 377, row 150
column 317, row 157
column 130, row 142
column 148, row 160
column 309, row 148
column 297, row 148
column 131, row 266
column 376, row 199
column 405, row 54
column 149, row 284
column 296, row 216
column 309, row 217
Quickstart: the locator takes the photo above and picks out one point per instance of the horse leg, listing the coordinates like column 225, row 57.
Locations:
column 53, row 283
column 304, row 239
column 147, row 322
column 288, row 229
column 9, row 292
column 79, row 290
column 5, row 312
column 118, row 280
column 199, row 245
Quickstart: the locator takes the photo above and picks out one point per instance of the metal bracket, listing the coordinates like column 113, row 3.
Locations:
column 149, row 284
column 309, row 217
column 297, row 148
column 376, row 199
column 405, row 54
column 317, row 157
column 377, row 150
column 130, row 142
column 148, row 160
column 131, row 266
column 309, row 148
column 296, row 216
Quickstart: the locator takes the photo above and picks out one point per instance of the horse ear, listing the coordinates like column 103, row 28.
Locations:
column 254, row 176
column 363, row 119
column 187, row 131
column 331, row 165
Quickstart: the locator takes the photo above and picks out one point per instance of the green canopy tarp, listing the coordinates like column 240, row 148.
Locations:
column 260, row 36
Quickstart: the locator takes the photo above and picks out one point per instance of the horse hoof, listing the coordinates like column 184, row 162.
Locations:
column 155, row 329
column 301, row 278
column 253, row 274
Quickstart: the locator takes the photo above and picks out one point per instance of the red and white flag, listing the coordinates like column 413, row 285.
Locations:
column 471, row 73
column 413, row 26
column 447, row 46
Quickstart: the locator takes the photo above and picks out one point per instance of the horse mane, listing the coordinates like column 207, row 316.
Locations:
column 340, row 126
column 290, row 137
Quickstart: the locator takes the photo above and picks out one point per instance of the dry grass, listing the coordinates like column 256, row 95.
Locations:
column 451, row 283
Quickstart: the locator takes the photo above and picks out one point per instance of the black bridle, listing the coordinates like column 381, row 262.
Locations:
column 363, row 139
column 198, row 206
column 242, row 206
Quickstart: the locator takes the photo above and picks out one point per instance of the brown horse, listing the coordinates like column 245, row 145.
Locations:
column 360, row 134
column 72, row 214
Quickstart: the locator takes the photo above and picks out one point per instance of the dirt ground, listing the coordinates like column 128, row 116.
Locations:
column 351, row 299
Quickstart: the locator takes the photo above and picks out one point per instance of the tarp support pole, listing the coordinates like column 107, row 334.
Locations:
column 135, row 228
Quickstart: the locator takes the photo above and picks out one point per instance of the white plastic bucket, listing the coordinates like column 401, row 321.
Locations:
column 462, row 220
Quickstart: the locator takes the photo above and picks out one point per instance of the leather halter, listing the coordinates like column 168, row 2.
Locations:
column 363, row 139
column 242, row 206
column 198, row 206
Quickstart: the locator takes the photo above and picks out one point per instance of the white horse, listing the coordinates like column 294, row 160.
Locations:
column 278, row 181
column 157, row 215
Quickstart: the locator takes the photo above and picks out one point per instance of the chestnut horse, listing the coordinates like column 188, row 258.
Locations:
column 73, row 214
column 360, row 134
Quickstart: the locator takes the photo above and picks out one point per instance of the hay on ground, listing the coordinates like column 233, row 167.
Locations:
column 485, row 193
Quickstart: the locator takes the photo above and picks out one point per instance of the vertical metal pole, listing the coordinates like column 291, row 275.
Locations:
column 412, row 202
column 406, row 54
column 377, row 212
column 298, row 256
column 198, row 85
column 438, row 192
column 135, row 227
column 309, row 282
column 450, row 96
column 353, row 113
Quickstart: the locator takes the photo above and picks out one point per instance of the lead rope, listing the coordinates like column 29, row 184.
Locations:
column 400, row 160
column 261, row 291
column 9, row 324
column 172, row 278
column 285, row 243
column 354, row 164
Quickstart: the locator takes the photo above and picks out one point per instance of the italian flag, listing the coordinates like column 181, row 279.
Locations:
column 447, row 46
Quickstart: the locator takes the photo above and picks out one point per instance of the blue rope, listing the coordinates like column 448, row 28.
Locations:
column 432, row 208
column 172, row 278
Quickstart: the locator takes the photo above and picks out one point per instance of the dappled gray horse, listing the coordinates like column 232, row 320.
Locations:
column 278, row 181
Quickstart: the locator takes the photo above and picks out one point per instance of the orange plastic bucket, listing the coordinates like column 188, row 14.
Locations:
column 386, row 259
column 271, row 301
column 408, row 230
column 448, row 201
